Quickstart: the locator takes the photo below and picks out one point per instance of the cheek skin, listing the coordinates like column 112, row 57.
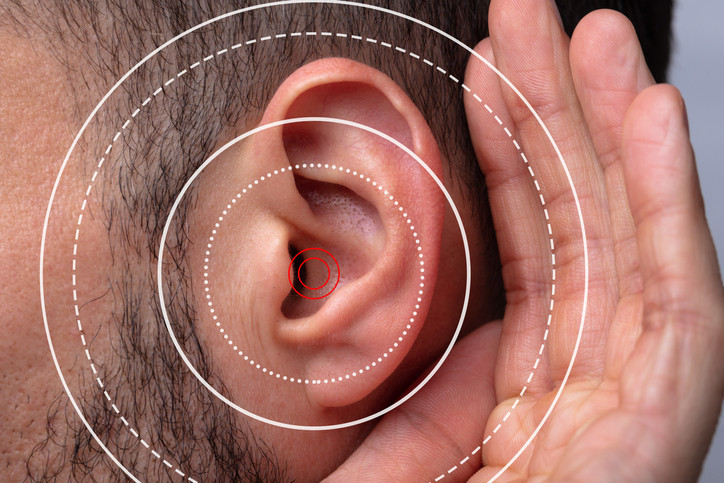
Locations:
column 35, row 139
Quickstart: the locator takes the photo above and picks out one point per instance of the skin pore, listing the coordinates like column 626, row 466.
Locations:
column 183, row 420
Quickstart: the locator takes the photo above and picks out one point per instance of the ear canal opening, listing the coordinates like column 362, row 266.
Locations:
column 297, row 267
column 302, row 276
column 349, row 239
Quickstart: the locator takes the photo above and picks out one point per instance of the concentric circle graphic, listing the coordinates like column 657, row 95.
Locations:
column 297, row 274
column 162, row 297
column 434, row 31
column 405, row 222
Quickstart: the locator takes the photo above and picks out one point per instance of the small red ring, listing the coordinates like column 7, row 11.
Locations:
column 289, row 274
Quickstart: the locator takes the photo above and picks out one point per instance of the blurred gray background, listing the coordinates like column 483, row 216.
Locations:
column 697, row 69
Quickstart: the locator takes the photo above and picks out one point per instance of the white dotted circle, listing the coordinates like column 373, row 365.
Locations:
column 160, row 272
column 364, row 368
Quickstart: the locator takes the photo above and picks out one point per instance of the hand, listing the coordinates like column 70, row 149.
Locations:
column 642, row 399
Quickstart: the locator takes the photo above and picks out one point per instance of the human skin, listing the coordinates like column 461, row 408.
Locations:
column 655, row 362
column 40, row 133
column 29, row 381
column 641, row 404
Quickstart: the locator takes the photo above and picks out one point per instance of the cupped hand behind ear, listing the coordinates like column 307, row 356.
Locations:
column 642, row 399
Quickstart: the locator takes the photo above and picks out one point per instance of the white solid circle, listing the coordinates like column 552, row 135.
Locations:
column 162, row 300
column 201, row 25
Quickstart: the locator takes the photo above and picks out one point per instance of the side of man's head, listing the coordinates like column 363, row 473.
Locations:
column 281, row 78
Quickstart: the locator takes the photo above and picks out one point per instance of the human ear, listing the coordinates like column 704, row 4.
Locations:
column 364, row 216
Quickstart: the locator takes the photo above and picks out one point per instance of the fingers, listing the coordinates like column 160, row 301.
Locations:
column 519, row 224
column 531, row 50
column 682, row 345
column 609, row 70
column 439, row 426
column 682, row 284
column 678, row 261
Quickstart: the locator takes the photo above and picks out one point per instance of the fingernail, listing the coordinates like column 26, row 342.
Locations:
column 557, row 13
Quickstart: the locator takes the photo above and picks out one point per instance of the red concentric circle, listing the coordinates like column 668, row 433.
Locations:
column 290, row 270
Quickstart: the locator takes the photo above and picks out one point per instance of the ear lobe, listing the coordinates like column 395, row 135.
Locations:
column 369, row 205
